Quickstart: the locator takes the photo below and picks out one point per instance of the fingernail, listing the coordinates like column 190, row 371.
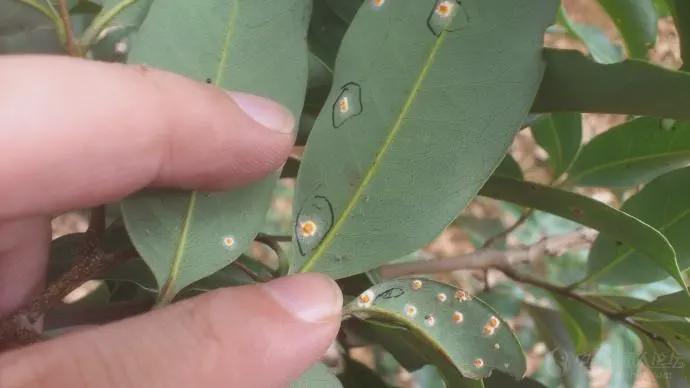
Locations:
column 310, row 297
column 268, row 113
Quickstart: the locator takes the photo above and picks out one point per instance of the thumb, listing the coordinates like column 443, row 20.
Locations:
column 253, row 336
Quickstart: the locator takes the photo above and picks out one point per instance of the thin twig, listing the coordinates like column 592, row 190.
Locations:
column 493, row 258
column 255, row 276
column 90, row 263
column 567, row 293
column 273, row 243
column 72, row 48
column 500, row 236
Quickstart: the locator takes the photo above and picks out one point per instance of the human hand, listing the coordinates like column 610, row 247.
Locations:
column 76, row 134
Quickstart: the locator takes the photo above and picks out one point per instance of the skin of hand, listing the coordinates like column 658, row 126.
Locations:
column 77, row 134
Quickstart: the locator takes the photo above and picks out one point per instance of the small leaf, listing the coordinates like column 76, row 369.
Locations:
column 318, row 376
column 662, row 204
column 553, row 331
column 108, row 34
column 573, row 83
column 559, row 134
column 611, row 222
column 633, row 153
column 459, row 328
column 246, row 45
column 600, row 47
column 584, row 324
column 409, row 111
column 637, row 23
column 674, row 304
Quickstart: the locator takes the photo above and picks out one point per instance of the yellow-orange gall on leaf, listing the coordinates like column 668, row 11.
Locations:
column 308, row 228
column 429, row 320
column 229, row 241
column 488, row 330
column 378, row 3
column 478, row 363
column 462, row 295
column 416, row 284
column 497, row 346
column 458, row 318
column 410, row 310
column 366, row 299
column 441, row 297
column 494, row 322
column 344, row 105
column 444, row 9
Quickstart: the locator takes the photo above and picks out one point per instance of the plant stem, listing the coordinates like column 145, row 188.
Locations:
column 523, row 218
column 72, row 48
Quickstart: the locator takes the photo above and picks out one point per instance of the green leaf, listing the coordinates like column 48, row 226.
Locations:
column 229, row 276
column 636, row 21
column 560, row 135
column 573, row 83
column 412, row 108
column 674, row 304
column 108, row 34
column 584, row 324
column 633, row 153
column 662, row 204
column 619, row 354
column 462, row 330
column 509, row 168
column 28, row 27
column 502, row 380
column 555, row 334
column 318, row 376
column 246, row 45
column 600, row 47
column 611, row 222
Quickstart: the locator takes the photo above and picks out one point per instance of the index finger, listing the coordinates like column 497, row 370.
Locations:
column 76, row 133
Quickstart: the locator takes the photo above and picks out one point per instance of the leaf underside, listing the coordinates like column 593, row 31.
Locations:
column 253, row 46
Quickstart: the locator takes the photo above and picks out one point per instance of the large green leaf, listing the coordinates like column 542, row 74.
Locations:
column 610, row 222
column 633, row 153
column 636, row 21
column 466, row 334
column 664, row 204
column 600, row 47
column 247, row 45
column 413, row 107
column 28, row 27
column 560, row 134
column 318, row 376
column 573, row 83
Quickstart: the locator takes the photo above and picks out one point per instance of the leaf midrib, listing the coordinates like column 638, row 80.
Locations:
column 604, row 166
column 371, row 172
column 168, row 291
